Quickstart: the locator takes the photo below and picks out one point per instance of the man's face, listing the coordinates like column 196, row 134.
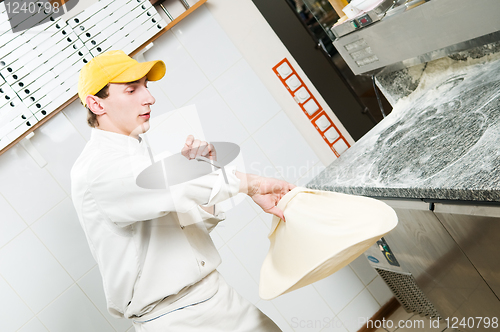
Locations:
column 128, row 106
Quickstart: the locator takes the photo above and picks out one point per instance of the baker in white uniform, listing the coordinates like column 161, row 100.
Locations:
column 157, row 260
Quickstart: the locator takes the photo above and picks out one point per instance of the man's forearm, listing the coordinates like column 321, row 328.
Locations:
column 249, row 183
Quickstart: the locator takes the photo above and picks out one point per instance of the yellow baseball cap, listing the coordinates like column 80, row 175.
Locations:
column 115, row 67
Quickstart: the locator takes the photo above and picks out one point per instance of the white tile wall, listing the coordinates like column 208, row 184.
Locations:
column 340, row 288
column 162, row 104
column 218, row 121
column 252, row 102
column 48, row 279
column 73, row 311
column 59, row 143
column 305, row 310
column 210, row 47
column 71, row 250
column 91, row 285
column 32, row 271
column 77, row 115
column 355, row 314
column 237, row 276
column 13, row 311
column 18, row 173
column 34, row 325
column 256, row 161
column 267, row 218
column 250, row 246
column 380, row 291
column 10, row 223
column 285, row 147
column 184, row 78
column 363, row 270
column 270, row 310
column 236, row 220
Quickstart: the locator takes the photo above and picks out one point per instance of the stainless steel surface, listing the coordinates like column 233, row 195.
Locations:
column 476, row 229
column 424, row 248
column 385, row 8
column 421, row 34
column 364, row 20
column 377, row 259
column 352, row 25
column 408, row 293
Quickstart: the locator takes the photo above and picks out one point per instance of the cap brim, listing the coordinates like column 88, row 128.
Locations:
column 154, row 70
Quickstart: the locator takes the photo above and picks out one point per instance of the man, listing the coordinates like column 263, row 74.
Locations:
column 157, row 260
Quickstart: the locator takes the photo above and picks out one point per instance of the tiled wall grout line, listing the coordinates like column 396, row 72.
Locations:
column 71, row 122
column 95, row 305
column 211, row 84
column 187, row 50
column 236, row 63
column 24, row 302
column 221, row 74
column 13, row 209
column 281, row 315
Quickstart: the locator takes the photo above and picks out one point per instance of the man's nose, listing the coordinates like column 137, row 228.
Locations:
column 150, row 100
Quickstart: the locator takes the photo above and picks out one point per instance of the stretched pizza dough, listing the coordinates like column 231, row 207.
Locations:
column 324, row 231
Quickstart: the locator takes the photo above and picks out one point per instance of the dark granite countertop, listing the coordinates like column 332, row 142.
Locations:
column 441, row 142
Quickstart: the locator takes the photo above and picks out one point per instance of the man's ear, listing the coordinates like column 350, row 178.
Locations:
column 95, row 105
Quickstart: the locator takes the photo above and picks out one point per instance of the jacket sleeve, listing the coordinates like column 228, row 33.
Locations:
column 212, row 220
column 113, row 185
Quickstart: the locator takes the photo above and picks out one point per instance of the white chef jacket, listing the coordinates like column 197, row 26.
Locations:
column 150, row 244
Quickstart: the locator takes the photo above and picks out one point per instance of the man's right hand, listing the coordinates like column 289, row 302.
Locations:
column 266, row 192
column 194, row 148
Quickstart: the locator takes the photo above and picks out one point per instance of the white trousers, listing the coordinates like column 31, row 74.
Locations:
column 225, row 311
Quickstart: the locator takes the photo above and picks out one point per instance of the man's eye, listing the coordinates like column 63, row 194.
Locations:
column 130, row 91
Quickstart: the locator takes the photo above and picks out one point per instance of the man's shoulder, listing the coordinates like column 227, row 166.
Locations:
column 101, row 160
column 93, row 157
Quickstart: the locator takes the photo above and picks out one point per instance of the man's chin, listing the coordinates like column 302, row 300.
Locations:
column 145, row 126
column 142, row 128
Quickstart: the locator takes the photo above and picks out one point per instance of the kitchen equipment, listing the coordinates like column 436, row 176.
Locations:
column 441, row 260
column 406, row 33
column 361, row 14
